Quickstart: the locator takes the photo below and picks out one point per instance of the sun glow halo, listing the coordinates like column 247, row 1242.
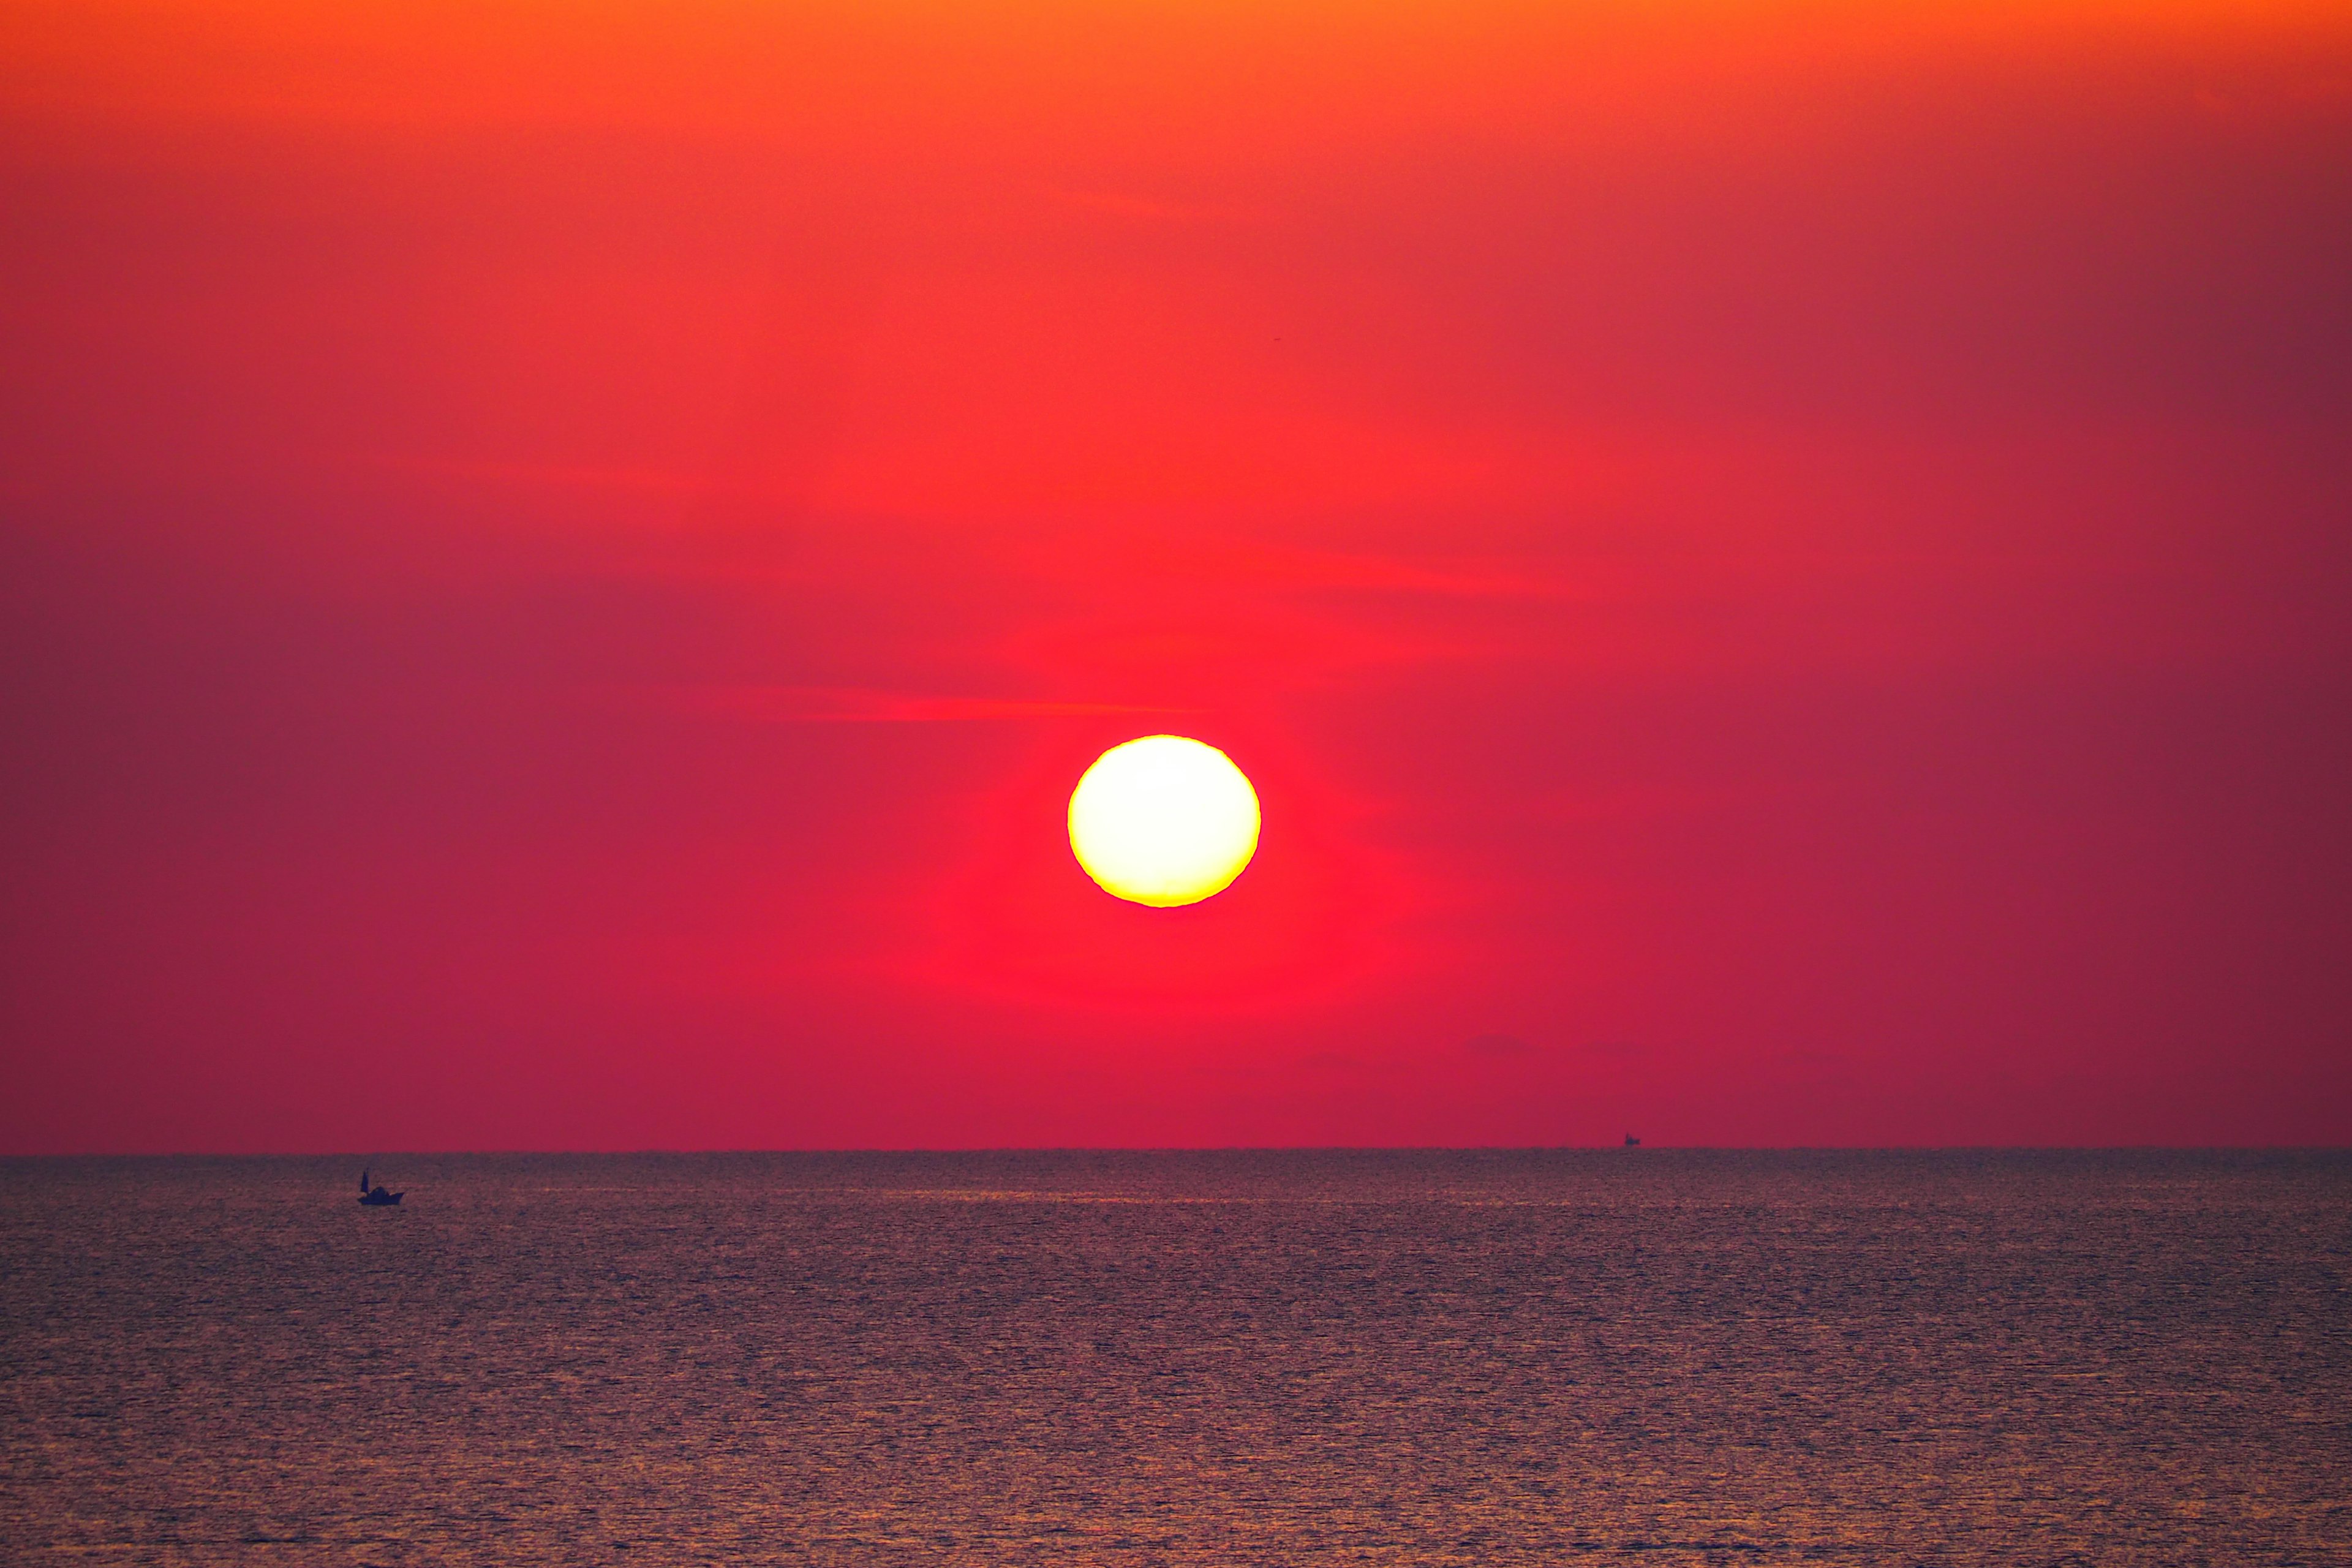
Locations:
column 1163, row 821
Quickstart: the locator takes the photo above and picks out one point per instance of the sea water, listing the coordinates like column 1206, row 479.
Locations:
column 1635, row 1356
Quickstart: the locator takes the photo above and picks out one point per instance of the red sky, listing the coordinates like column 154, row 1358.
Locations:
column 1779, row 571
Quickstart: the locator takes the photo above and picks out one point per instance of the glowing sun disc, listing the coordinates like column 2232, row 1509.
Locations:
column 1163, row 821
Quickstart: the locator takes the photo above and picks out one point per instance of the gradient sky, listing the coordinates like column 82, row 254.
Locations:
column 1781, row 570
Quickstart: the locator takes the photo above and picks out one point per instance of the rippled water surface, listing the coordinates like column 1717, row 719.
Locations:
column 1647, row 1356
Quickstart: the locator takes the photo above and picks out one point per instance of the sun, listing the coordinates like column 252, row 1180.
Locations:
column 1163, row 821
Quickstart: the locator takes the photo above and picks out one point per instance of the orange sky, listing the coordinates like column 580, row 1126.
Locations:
column 1777, row 570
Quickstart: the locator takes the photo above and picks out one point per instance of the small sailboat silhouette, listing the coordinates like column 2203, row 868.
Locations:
column 1631, row 1142
column 377, row 1197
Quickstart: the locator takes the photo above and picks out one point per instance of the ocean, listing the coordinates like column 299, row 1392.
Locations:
column 1624, row 1356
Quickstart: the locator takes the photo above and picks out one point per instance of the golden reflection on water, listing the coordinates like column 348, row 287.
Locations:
column 1654, row 1357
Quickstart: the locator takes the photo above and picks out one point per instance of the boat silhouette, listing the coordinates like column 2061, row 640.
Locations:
column 377, row 1197
column 1631, row 1143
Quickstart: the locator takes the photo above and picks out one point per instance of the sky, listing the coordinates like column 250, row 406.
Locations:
column 1778, row 571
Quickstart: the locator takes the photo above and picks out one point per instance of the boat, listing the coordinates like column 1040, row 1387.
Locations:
column 1631, row 1143
column 377, row 1197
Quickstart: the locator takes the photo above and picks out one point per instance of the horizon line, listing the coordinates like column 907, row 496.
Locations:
column 910, row 1151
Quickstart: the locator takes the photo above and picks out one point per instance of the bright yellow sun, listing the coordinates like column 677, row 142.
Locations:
column 1163, row 821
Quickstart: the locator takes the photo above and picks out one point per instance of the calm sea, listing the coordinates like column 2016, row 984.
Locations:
column 1631, row 1356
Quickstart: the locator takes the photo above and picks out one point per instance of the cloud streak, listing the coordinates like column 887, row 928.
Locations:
column 868, row 705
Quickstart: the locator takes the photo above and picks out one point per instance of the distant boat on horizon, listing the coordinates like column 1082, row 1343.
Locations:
column 1631, row 1143
column 377, row 1197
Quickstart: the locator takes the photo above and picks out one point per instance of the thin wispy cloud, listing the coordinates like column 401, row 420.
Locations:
column 868, row 705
